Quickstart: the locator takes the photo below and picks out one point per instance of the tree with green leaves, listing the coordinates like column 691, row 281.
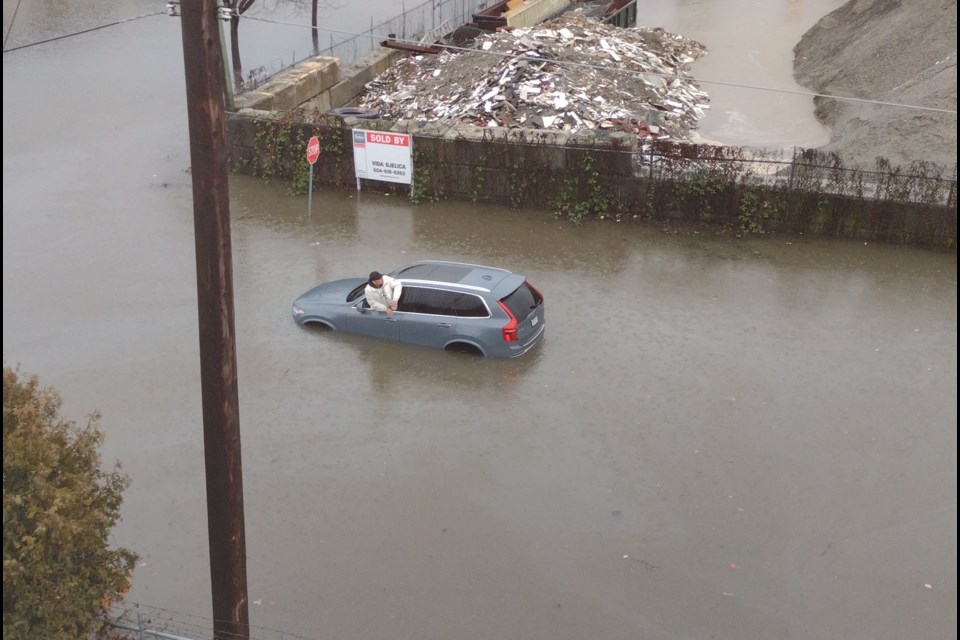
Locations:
column 59, row 574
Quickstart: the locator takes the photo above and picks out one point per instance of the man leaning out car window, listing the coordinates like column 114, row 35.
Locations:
column 383, row 292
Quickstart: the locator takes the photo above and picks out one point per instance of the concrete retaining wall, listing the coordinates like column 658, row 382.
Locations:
column 582, row 175
column 318, row 83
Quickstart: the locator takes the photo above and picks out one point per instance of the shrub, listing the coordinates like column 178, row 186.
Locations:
column 59, row 575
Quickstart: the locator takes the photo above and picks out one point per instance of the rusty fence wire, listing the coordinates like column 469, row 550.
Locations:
column 134, row 621
column 796, row 170
column 799, row 170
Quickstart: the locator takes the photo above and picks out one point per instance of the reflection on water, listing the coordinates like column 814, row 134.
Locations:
column 522, row 241
column 518, row 239
column 334, row 212
column 396, row 370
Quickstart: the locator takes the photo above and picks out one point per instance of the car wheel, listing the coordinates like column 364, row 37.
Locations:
column 464, row 348
column 320, row 327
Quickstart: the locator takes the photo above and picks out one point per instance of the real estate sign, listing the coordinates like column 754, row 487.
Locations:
column 383, row 155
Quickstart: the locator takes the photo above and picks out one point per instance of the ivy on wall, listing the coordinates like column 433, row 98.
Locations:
column 746, row 190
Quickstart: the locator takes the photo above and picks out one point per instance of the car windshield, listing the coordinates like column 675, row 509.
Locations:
column 356, row 293
column 522, row 301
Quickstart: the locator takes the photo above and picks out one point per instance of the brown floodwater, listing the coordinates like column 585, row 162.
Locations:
column 748, row 69
column 718, row 437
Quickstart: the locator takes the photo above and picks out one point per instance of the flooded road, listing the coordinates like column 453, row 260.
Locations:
column 717, row 438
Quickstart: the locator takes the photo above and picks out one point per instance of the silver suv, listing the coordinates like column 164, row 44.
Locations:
column 448, row 305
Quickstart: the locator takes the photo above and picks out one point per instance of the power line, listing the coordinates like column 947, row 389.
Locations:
column 10, row 28
column 570, row 63
column 77, row 33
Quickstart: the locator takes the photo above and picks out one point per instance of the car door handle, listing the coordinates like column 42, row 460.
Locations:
column 391, row 319
column 444, row 324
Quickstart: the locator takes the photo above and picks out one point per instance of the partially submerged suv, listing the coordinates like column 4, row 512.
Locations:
column 448, row 305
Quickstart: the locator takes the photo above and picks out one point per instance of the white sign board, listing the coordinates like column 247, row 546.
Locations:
column 383, row 155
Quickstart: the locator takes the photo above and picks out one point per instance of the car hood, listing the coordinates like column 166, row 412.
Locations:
column 335, row 291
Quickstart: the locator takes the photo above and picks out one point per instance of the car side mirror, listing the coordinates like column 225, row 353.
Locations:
column 361, row 308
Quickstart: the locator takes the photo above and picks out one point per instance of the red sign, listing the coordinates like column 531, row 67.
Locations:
column 313, row 150
column 399, row 140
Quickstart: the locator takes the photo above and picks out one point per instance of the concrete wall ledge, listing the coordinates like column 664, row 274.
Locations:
column 353, row 79
column 293, row 87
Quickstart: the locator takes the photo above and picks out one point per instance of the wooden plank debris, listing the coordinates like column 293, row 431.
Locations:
column 568, row 73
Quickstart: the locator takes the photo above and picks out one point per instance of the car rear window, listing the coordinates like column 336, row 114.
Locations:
column 522, row 301
column 467, row 305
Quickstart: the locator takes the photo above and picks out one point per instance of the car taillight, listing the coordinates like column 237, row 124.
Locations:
column 509, row 329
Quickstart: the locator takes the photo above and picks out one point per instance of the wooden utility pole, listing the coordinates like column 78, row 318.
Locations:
column 203, row 64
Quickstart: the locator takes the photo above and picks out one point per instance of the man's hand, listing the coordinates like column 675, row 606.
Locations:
column 389, row 312
column 393, row 304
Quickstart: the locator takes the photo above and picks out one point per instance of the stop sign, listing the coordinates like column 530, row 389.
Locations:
column 313, row 150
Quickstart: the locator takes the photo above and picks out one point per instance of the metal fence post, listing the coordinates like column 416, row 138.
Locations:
column 227, row 78
column 952, row 194
column 793, row 165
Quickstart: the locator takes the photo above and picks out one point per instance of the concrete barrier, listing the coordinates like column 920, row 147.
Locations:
column 293, row 87
column 545, row 168
column 319, row 82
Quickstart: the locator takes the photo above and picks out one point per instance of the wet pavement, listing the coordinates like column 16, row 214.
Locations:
column 718, row 438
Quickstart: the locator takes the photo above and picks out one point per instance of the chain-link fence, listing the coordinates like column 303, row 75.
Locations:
column 801, row 170
column 425, row 23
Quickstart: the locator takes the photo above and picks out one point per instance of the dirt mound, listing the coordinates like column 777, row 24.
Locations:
column 885, row 51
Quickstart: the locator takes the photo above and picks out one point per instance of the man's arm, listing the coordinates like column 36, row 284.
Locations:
column 396, row 289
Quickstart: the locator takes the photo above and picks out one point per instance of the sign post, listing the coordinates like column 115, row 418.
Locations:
column 313, row 152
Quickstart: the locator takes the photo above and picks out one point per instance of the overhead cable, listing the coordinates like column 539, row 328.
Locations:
column 10, row 28
column 77, row 33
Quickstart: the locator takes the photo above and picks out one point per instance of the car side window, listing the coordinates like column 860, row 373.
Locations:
column 423, row 300
column 357, row 292
column 468, row 305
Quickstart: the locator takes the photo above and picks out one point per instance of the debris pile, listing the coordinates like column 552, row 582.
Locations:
column 569, row 73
